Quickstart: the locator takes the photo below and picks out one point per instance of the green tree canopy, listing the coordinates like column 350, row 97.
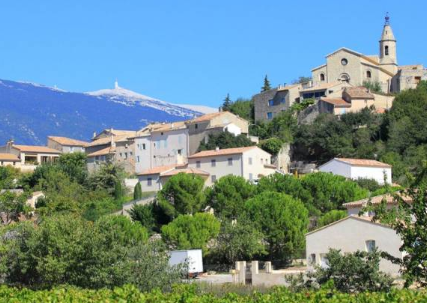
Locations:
column 191, row 232
column 228, row 196
column 225, row 140
column 331, row 191
column 182, row 194
column 283, row 221
column 237, row 241
column 331, row 217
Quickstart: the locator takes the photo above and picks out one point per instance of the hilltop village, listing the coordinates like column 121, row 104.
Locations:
column 271, row 191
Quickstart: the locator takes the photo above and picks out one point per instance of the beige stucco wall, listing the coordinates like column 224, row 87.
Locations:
column 351, row 235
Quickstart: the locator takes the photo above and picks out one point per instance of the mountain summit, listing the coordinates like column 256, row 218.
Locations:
column 31, row 112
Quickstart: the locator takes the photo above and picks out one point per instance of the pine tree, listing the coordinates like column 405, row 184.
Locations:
column 227, row 103
column 137, row 192
column 266, row 85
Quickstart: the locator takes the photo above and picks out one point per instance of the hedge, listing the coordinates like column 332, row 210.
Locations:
column 190, row 294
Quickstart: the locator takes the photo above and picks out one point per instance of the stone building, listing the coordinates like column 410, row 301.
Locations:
column 347, row 68
column 66, row 145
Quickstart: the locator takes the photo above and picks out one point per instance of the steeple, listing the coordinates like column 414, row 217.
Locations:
column 388, row 58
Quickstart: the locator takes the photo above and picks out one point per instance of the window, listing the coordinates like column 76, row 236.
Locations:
column 417, row 80
column 322, row 77
column 137, row 159
column 368, row 74
column 271, row 102
column 213, row 162
column 269, row 116
column 198, row 164
column 143, row 146
column 230, row 161
column 344, row 61
column 251, row 177
column 121, row 155
column 126, row 155
column 213, row 178
column 196, row 126
column 131, row 153
column 345, row 78
column 71, row 148
column 386, row 50
column 179, row 151
column 149, row 181
column 2, row 163
column 370, row 245
column 161, row 134
column 250, row 161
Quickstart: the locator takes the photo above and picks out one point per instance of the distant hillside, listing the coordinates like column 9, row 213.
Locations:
column 30, row 112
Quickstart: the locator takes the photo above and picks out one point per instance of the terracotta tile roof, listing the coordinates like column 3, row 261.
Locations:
column 355, row 217
column 36, row 149
column 376, row 200
column 338, row 102
column 163, row 127
column 221, row 152
column 187, row 170
column 157, row 170
column 8, row 157
column 102, row 152
column 68, row 141
column 358, row 92
column 206, row 117
column 364, row 162
column 104, row 141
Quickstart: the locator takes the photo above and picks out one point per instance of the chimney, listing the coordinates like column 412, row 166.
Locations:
column 94, row 135
column 9, row 145
column 113, row 144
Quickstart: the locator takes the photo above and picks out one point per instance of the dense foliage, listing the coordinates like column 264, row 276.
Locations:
column 224, row 140
column 191, row 293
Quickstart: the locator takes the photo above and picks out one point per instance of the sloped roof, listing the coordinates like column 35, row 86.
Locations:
column 187, row 170
column 351, row 217
column 359, row 92
column 287, row 87
column 221, row 152
column 163, row 127
column 107, row 140
column 8, row 157
column 206, row 117
column 35, row 149
column 363, row 162
column 157, row 170
column 68, row 141
column 102, row 152
column 338, row 102
column 376, row 200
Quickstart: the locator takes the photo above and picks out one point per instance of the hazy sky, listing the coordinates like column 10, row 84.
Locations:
column 194, row 51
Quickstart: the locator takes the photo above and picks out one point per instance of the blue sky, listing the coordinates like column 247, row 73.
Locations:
column 193, row 51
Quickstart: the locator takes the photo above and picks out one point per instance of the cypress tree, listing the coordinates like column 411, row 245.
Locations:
column 137, row 192
column 227, row 103
column 266, row 85
column 118, row 190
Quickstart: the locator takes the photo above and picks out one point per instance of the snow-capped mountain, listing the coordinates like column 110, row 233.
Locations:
column 30, row 112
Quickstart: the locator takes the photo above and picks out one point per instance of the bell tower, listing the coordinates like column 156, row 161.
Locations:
column 388, row 58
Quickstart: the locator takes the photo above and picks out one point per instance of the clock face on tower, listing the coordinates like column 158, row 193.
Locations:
column 344, row 61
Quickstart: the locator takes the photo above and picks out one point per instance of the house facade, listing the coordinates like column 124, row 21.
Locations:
column 116, row 146
column 250, row 163
column 66, row 145
column 30, row 156
column 351, row 234
column 359, row 169
column 9, row 159
column 161, row 144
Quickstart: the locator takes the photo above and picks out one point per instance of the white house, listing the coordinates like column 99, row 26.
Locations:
column 358, row 169
column 349, row 235
column 250, row 163
column 161, row 144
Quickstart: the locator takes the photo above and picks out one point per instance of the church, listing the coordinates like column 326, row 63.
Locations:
column 347, row 66
column 343, row 84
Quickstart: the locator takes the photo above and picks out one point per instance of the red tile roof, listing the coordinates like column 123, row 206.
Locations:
column 8, row 157
column 188, row 170
column 35, row 149
column 102, row 152
column 376, row 200
column 157, row 170
column 338, row 102
column 68, row 141
column 358, row 92
column 363, row 162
